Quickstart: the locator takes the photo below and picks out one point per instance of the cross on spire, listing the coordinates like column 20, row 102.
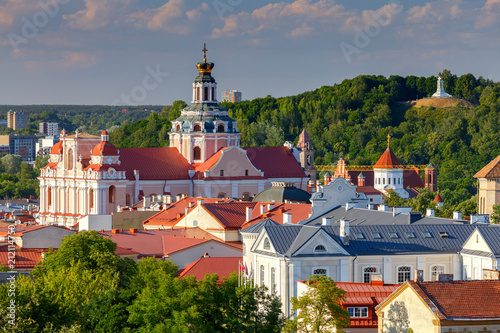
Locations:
column 204, row 52
column 388, row 140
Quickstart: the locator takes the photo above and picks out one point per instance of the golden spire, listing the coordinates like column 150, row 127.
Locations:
column 388, row 140
column 204, row 52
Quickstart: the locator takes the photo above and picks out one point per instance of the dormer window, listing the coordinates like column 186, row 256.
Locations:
column 267, row 244
column 320, row 248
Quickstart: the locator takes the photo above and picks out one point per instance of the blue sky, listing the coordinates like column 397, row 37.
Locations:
column 145, row 51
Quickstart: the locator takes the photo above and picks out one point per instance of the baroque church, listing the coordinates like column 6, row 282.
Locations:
column 86, row 174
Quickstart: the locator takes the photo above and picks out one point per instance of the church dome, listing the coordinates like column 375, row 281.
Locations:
column 57, row 149
column 282, row 192
column 104, row 148
column 388, row 160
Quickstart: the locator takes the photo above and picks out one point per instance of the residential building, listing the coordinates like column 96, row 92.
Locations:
column 17, row 120
column 23, row 145
column 446, row 306
column 232, row 96
column 48, row 128
column 44, row 145
column 86, row 174
column 488, row 186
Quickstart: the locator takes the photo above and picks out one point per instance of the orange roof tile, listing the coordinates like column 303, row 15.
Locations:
column 209, row 164
column 299, row 212
column 438, row 198
column 368, row 190
column 104, row 148
column 25, row 258
column 388, row 160
column 276, row 162
column 222, row 266
column 491, row 170
column 461, row 299
column 230, row 214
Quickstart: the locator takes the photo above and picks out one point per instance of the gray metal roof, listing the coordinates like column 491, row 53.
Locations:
column 491, row 236
column 361, row 216
column 257, row 227
column 287, row 239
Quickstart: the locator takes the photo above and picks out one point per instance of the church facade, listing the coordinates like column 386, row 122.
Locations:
column 86, row 174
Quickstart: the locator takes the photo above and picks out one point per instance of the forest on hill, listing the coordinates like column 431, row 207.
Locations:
column 352, row 120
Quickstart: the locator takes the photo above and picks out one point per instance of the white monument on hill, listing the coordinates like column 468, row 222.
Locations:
column 440, row 93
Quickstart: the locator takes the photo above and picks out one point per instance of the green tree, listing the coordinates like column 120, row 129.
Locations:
column 319, row 309
column 393, row 199
column 495, row 216
column 12, row 163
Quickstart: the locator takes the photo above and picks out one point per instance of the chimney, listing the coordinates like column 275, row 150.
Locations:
column 457, row 215
column 377, row 280
column 115, row 231
column 414, row 217
column 132, row 230
column 371, row 206
column 147, row 202
column 248, row 214
column 383, row 208
column 430, row 212
column 419, row 275
column 205, row 255
column 262, row 209
column 350, row 205
column 178, row 197
column 344, row 231
column 326, row 221
column 191, row 204
column 200, row 202
column 491, row 274
column 445, row 277
column 318, row 184
column 287, row 218
column 270, row 206
column 186, row 210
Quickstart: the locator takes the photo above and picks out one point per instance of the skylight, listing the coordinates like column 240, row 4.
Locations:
column 427, row 234
column 443, row 234
column 393, row 235
column 410, row 235
column 359, row 236
column 376, row 235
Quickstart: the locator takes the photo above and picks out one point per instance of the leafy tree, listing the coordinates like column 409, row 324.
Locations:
column 393, row 199
column 12, row 163
column 319, row 308
column 495, row 216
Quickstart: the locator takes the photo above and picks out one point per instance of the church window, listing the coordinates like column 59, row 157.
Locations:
column 205, row 93
column 367, row 274
column 389, row 181
column 222, row 173
column 197, row 153
column 197, row 128
column 319, row 271
column 267, row 244
column 198, row 93
column 220, row 128
column 221, row 195
column 273, row 280
column 213, row 93
column 178, row 128
column 111, row 194
column 70, row 159
column 262, row 272
column 308, row 147
column 308, row 159
column 399, row 181
column 436, row 270
column 383, row 181
column 49, row 196
column 404, row 274
column 320, row 248
column 394, row 181
column 91, row 198
column 246, row 172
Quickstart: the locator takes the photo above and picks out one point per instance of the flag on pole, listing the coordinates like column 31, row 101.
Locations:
column 246, row 269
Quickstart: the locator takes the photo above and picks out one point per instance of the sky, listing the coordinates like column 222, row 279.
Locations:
column 145, row 51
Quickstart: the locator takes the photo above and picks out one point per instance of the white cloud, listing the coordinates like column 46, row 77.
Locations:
column 12, row 10
column 65, row 60
column 97, row 14
column 488, row 15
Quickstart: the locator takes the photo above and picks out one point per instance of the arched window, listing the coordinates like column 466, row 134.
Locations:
column 91, row 198
column 111, row 197
column 404, row 274
column 367, row 274
column 213, row 93
column 197, row 128
column 221, row 195
column 435, row 271
column 205, row 93
column 198, row 93
column 267, row 244
column 319, row 271
column 70, row 159
column 273, row 280
column 320, row 248
column 178, row 128
column 127, row 200
column 389, row 181
column 220, row 128
column 262, row 274
column 197, row 153
column 383, row 181
column 308, row 159
column 49, row 196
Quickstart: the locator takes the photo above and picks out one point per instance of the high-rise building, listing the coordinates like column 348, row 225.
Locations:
column 48, row 128
column 23, row 145
column 17, row 120
column 233, row 96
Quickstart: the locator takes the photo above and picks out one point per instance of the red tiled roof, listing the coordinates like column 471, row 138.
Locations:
column 104, row 148
column 299, row 212
column 222, row 266
column 388, row 160
column 461, row 299
column 120, row 251
column 438, row 198
column 368, row 190
column 51, row 165
column 175, row 244
column 57, row 149
column 25, row 258
column 22, row 229
column 154, row 163
column 169, row 217
column 230, row 214
column 209, row 164
column 275, row 162
column 491, row 170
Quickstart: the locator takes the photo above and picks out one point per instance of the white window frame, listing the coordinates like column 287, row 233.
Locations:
column 431, row 272
column 377, row 270
column 397, row 273
column 273, row 284
column 262, row 274
column 360, row 309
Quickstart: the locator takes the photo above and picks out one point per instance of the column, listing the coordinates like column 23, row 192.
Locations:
column 344, row 270
column 387, row 270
